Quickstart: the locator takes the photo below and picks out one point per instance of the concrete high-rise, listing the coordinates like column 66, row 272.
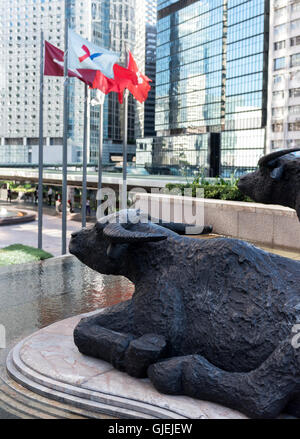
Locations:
column 151, row 12
column 284, row 75
column 110, row 24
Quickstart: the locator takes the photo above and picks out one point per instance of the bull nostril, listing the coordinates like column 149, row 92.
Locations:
column 74, row 234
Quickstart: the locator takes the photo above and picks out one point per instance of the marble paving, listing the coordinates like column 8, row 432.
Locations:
column 49, row 363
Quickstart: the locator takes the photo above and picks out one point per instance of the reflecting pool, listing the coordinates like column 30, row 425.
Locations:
column 36, row 295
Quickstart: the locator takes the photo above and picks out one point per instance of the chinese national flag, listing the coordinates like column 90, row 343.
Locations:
column 141, row 89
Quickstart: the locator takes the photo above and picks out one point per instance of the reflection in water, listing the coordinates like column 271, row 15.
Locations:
column 35, row 296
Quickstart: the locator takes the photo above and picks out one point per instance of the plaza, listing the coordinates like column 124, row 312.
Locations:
column 26, row 234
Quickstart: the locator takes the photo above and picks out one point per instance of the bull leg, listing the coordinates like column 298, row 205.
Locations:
column 106, row 335
column 110, row 336
column 261, row 393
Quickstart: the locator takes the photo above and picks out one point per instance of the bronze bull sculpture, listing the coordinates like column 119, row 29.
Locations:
column 211, row 319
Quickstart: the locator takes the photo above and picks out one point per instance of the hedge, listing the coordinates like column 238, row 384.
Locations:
column 214, row 191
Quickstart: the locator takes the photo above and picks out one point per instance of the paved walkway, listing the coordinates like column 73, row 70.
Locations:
column 27, row 234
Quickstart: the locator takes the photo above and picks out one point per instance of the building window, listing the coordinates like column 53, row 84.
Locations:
column 293, row 143
column 279, row 45
column 296, row 6
column 279, row 63
column 294, row 109
column 295, row 60
column 295, row 93
column 277, row 111
column 278, row 94
column 295, row 41
column 277, row 127
column 280, row 12
column 295, row 25
column 277, row 144
column 278, row 79
column 294, row 126
column 279, row 29
column 295, row 75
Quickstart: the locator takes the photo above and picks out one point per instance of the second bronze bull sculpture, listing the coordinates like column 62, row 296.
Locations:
column 212, row 319
column 276, row 181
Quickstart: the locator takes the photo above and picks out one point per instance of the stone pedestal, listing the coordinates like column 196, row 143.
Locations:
column 49, row 364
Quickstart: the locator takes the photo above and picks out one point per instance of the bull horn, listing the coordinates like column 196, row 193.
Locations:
column 117, row 234
column 275, row 155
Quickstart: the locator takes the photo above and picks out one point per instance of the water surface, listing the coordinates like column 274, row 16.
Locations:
column 33, row 296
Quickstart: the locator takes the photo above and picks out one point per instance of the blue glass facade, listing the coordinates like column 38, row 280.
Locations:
column 211, row 77
column 189, row 68
column 243, row 140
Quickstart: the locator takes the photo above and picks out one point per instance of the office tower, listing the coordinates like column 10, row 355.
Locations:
column 284, row 75
column 118, row 25
column 109, row 23
column 211, row 86
column 151, row 12
column 21, row 22
column 150, row 66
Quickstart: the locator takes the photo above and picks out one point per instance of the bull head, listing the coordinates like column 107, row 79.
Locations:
column 102, row 246
column 259, row 185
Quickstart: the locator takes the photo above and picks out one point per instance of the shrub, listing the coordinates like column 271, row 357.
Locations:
column 219, row 189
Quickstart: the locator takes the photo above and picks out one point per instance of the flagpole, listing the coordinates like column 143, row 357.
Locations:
column 124, row 186
column 65, row 139
column 101, row 97
column 85, row 153
column 41, row 152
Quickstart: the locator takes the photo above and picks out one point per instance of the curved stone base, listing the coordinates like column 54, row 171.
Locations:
column 49, row 364
column 21, row 217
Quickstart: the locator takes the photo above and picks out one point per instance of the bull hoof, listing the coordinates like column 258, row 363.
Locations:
column 166, row 376
column 142, row 352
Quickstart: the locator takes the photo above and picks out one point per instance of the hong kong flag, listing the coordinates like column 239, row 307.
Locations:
column 140, row 90
column 54, row 66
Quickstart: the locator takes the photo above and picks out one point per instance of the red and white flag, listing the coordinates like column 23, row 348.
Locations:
column 54, row 66
column 84, row 54
column 141, row 89
column 123, row 78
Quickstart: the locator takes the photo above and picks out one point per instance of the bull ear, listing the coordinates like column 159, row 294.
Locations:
column 276, row 174
column 117, row 234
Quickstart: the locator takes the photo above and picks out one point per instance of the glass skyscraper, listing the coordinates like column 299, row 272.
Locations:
column 243, row 141
column 211, row 85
